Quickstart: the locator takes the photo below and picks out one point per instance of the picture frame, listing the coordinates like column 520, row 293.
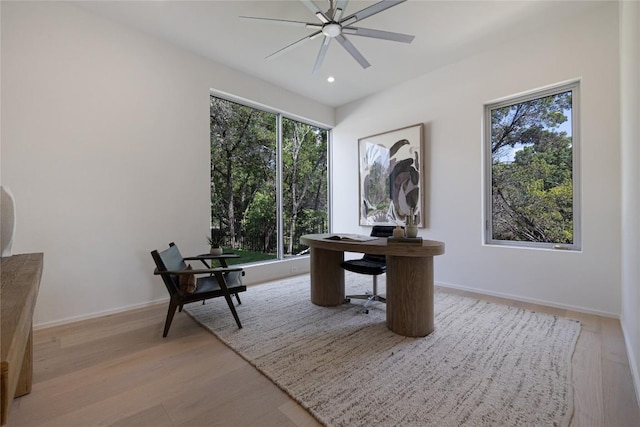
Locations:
column 391, row 177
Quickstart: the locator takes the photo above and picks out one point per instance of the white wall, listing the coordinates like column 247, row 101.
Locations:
column 450, row 103
column 630, row 143
column 105, row 145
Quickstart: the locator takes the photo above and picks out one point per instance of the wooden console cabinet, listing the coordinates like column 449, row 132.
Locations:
column 20, row 281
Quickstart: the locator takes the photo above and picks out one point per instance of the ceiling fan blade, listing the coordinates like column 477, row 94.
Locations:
column 377, row 34
column 340, row 8
column 316, row 11
column 346, row 44
column 292, row 45
column 281, row 22
column 369, row 11
column 321, row 54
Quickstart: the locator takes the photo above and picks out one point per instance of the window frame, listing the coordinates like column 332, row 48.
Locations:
column 574, row 87
column 280, row 115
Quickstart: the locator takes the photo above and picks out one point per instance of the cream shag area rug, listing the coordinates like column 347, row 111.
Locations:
column 484, row 365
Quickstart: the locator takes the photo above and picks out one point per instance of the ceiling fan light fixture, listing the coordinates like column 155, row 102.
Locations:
column 332, row 29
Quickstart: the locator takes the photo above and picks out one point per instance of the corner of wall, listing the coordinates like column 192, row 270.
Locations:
column 629, row 47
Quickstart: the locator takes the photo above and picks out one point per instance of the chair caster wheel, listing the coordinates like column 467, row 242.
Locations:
column 366, row 312
column 347, row 300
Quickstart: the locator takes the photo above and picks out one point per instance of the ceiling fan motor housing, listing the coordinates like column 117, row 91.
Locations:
column 332, row 29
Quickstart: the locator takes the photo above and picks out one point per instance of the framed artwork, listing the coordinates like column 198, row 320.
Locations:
column 391, row 177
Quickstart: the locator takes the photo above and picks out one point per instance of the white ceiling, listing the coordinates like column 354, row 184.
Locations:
column 445, row 32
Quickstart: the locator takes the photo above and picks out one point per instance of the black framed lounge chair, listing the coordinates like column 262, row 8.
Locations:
column 216, row 281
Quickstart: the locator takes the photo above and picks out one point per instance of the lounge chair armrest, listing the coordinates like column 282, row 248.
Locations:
column 208, row 260
column 209, row 256
column 200, row 271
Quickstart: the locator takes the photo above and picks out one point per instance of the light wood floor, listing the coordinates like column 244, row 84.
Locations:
column 119, row 371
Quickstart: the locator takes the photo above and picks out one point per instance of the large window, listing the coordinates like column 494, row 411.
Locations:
column 268, row 181
column 532, row 172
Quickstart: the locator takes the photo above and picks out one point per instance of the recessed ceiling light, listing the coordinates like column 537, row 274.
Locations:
column 331, row 79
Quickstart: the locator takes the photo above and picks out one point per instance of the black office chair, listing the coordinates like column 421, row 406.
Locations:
column 373, row 265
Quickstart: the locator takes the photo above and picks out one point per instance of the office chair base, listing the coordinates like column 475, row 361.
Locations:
column 370, row 299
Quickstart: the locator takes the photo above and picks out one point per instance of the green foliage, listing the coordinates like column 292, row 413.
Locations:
column 259, row 221
column 304, row 157
column 247, row 257
column 215, row 241
column 532, row 196
column 523, row 123
column 243, row 176
column 242, row 162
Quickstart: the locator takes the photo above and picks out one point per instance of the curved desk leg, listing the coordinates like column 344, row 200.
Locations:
column 410, row 295
column 327, row 277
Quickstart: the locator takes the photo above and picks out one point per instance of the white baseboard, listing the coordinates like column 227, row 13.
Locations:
column 635, row 374
column 442, row 284
column 256, row 274
column 530, row 300
column 68, row 320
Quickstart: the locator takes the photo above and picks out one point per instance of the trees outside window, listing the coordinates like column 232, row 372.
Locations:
column 304, row 182
column 532, row 176
column 264, row 193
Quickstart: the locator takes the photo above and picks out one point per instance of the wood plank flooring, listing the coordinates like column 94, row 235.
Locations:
column 119, row 371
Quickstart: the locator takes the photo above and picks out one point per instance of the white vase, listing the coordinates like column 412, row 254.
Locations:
column 7, row 222
column 411, row 230
column 215, row 251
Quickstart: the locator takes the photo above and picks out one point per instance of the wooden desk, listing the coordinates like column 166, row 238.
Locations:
column 409, row 278
column 20, row 281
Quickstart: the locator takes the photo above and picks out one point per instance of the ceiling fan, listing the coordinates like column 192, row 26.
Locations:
column 333, row 26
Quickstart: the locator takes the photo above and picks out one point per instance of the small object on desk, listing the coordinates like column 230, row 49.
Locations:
column 398, row 232
column 403, row 240
column 411, row 231
column 351, row 237
column 411, row 226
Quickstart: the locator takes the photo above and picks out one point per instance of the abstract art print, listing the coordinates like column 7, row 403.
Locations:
column 391, row 177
